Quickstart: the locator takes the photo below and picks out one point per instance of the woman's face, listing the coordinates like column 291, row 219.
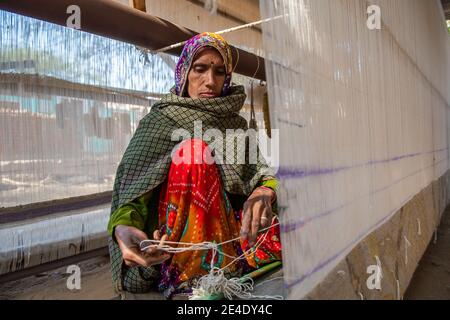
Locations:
column 207, row 75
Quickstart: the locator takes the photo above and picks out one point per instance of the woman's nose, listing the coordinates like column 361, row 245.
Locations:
column 210, row 79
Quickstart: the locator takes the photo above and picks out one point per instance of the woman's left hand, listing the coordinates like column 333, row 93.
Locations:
column 257, row 213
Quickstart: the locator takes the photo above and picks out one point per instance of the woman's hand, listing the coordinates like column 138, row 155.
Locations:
column 257, row 213
column 129, row 239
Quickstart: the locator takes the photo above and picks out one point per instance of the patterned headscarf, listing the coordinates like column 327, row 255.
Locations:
column 191, row 48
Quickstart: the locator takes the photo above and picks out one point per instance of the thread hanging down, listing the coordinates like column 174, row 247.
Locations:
column 398, row 290
column 407, row 243
column 380, row 270
column 215, row 284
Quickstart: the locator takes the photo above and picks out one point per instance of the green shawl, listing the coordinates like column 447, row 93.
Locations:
column 147, row 159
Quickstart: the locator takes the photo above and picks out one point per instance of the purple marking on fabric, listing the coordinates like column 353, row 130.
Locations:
column 399, row 158
column 327, row 261
column 288, row 173
column 288, row 227
column 439, row 150
column 360, row 236
column 290, row 123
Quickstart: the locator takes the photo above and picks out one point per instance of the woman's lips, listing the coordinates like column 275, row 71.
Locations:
column 207, row 94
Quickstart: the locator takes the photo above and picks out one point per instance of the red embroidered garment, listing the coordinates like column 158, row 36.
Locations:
column 194, row 208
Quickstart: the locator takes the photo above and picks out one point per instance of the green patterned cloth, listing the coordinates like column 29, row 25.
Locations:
column 147, row 159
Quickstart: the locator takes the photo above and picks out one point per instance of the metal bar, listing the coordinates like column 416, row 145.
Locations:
column 117, row 21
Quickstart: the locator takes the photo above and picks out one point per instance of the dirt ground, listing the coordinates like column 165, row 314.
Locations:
column 431, row 281
column 96, row 285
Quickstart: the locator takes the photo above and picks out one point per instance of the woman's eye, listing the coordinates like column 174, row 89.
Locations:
column 199, row 69
column 220, row 71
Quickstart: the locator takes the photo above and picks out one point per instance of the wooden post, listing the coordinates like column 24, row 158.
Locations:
column 138, row 4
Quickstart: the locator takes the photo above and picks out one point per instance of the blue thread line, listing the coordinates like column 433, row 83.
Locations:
column 290, row 123
column 286, row 173
column 361, row 235
column 288, row 227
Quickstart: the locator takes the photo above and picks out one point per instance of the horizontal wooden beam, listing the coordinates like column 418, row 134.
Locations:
column 35, row 210
column 52, row 265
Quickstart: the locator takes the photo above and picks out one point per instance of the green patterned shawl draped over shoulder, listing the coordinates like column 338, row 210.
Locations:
column 147, row 159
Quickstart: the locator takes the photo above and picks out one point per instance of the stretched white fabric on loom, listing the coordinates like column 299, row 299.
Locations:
column 363, row 117
column 69, row 104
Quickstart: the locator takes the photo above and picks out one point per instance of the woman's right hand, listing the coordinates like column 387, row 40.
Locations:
column 129, row 239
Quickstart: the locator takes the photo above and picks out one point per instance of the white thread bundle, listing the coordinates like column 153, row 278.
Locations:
column 215, row 282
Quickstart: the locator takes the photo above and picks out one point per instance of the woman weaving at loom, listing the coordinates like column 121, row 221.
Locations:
column 194, row 201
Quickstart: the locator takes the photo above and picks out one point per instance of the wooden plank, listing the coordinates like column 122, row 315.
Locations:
column 139, row 5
